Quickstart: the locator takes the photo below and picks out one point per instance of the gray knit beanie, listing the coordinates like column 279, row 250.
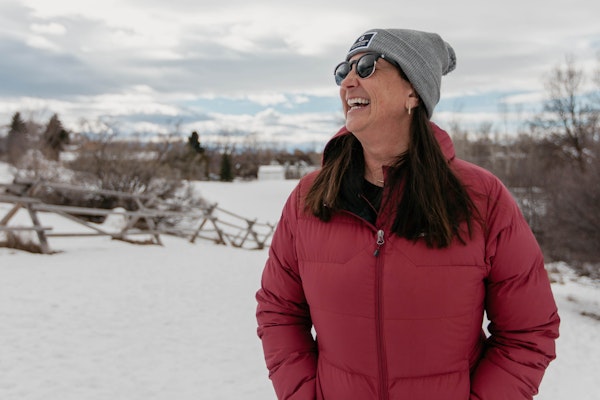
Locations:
column 424, row 57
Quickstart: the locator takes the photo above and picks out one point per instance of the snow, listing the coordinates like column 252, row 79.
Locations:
column 104, row 319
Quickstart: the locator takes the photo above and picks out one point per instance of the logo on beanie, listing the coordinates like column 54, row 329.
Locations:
column 363, row 41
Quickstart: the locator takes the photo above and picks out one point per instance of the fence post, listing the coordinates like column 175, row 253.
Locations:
column 209, row 217
column 40, row 232
column 149, row 221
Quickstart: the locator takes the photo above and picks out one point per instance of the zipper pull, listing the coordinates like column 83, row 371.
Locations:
column 380, row 242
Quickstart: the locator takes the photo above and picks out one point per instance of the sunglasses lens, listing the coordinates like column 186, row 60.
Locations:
column 342, row 71
column 365, row 66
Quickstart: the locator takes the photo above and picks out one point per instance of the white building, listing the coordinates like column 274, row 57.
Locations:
column 271, row 172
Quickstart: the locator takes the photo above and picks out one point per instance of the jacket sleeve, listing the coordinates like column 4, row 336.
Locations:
column 520, row 307
column 284, row 323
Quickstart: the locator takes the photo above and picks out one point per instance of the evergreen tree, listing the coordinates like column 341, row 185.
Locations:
column 54, row 139
column 194, row 159
column 194, row 142
column 16, row 141
column 226, row 169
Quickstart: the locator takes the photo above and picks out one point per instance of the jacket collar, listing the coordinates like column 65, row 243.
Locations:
column 441, row 135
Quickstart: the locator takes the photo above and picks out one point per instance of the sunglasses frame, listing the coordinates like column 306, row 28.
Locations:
column 339, row 79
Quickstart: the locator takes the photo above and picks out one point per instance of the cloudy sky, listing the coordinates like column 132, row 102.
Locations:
column 264, row 68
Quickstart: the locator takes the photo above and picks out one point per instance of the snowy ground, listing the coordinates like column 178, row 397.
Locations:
column 109, row 320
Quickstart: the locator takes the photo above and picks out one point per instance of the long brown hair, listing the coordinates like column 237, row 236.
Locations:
column 433, row 204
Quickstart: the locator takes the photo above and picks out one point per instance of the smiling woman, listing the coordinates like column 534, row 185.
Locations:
column 395, row 249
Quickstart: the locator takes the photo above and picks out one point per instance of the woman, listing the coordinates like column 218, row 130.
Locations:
column 395, row 248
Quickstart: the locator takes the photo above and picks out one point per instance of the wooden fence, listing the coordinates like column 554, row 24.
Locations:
column 146, row 220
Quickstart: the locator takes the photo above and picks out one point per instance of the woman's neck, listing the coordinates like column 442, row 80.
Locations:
column 375, row 161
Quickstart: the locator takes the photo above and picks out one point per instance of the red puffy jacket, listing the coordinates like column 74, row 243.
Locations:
column 397, row 320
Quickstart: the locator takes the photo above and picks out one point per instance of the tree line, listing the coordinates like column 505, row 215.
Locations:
column 552, row 164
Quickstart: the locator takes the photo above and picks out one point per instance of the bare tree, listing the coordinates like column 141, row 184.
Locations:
column 570, row 142
column 571, row 117
column 573, row 216
column 124, row 165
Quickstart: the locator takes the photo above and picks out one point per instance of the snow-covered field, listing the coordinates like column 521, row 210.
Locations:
column 109, row 320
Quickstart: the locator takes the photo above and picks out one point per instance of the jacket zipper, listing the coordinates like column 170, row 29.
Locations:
column 381, row 357
column 383, row 381
column 380, row 242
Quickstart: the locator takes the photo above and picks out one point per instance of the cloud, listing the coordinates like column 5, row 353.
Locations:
column 52, row 28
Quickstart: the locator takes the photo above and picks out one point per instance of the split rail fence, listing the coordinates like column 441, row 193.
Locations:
column 146, row 219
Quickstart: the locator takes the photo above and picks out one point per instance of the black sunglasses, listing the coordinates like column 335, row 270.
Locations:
column 365, row 67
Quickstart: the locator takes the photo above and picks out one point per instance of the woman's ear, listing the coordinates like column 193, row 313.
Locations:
column 412, row 101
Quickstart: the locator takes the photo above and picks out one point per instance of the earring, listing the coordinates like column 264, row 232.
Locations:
column 409, row 109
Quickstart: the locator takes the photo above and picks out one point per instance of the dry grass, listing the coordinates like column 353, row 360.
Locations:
column 15, row 241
